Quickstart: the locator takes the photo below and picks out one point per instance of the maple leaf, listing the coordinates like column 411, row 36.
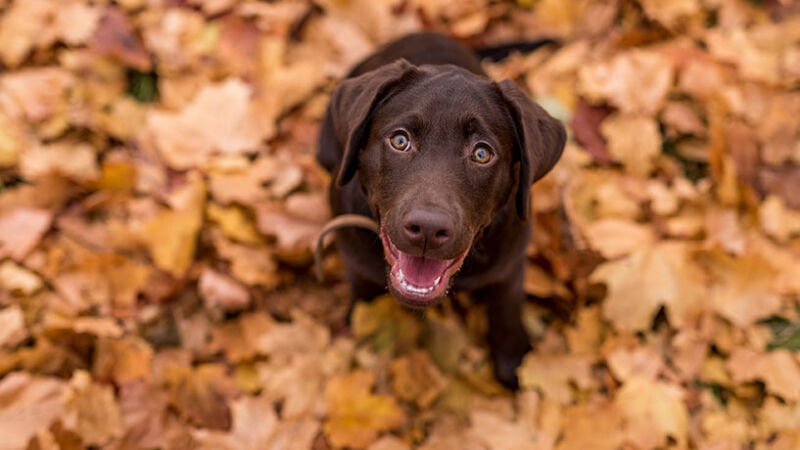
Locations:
column 356, row 416
column 635, row 81
column 639, row 284
column 220, row 119
column 654, row 410
column 554, row 373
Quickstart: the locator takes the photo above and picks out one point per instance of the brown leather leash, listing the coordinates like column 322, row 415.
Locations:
column 345, row 220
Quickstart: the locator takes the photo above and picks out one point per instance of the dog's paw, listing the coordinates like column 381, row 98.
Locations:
column 505, row 367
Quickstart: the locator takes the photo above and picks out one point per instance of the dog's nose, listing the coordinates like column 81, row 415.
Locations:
column 428, row 228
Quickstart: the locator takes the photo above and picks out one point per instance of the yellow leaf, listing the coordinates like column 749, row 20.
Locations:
column 641, row 283
column 356, row 416
column 234, row 222
column 654, row 410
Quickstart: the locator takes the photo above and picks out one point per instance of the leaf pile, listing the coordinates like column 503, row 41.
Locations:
column 160, row 196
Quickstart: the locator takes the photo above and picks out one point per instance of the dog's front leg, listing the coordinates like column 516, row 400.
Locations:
column 508, row 341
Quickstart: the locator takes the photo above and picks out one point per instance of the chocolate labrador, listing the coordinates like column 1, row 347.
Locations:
column 419, row 139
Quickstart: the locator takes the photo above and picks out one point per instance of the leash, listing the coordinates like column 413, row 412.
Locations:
column 345, row 220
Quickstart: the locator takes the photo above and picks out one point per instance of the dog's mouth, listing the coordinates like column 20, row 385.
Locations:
column 418, row 281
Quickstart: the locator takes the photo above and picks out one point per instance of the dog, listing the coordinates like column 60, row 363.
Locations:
column 442, row 158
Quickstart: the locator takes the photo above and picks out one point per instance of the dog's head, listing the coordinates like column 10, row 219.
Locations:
column 439, row 152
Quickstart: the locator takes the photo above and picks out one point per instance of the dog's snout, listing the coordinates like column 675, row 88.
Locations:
column 428, row 228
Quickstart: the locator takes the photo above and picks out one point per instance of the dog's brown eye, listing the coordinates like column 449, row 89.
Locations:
column 481, row 155
column 400, row 141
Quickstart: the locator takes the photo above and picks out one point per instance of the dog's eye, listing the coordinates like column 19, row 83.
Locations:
column 400, row 141
column 481, row 155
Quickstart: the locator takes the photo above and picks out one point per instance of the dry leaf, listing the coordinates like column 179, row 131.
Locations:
column 416, row 379
column 632, row 140
column 613, row 238
column 220, row 119
column 653, row 410
column 356, row 416
column 91, row 410
column 647, row 279
column 28, row 404
column 635, row 81
column 554, row 373
column 12, row 326
column 777, row 369
column 21, row 229
column 222, row 292
column 254, row 423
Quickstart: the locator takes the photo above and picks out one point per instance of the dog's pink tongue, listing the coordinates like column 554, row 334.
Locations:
column 421, row 271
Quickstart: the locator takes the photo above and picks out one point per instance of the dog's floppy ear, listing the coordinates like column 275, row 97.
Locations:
column 540, row 141
column 351, row 105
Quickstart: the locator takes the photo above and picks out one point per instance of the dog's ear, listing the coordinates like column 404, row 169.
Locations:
column 352, row 104
column 540, row 141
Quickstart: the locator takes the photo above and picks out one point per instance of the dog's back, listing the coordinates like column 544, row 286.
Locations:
column 421, row 49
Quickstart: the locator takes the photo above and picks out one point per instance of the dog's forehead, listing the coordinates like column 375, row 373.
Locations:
column 447, row 94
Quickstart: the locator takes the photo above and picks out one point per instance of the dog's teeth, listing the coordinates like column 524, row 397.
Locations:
column 437, row 280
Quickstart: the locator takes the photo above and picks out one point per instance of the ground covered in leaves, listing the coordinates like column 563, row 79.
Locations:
column 160, row 196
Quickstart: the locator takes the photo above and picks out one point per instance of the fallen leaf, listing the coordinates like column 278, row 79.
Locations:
column 143, row 408
column 220, row 119
column 123, row 360
column 639, row 284
column 356, row 416
column 613, row 238
column 633, row 141
column 670, row 13
column 554, row 373
column 777, row 369
column 75, row 161
column 201, row 395
column 21, row 229
column 23, row 27
column 18, row 280
column 254, row 424
column 115, row 37
column 654, row 411
column 220, row 291
column 12, row 326
column 91, row 410
column 28, row 405
column 635, row 81
column 416, row 379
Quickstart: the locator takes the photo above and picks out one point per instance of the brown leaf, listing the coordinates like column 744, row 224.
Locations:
column 23, row 27
column 585, row 125
column 92, row 411
column 123, row 360
column 28, row 404
column 220, row 291
column 254, row 424
column 635, row 81
column 201, row 395
column 220, row 119
column 12, row 326
column 116, row 37
column 144, row 411
column 21, row 229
